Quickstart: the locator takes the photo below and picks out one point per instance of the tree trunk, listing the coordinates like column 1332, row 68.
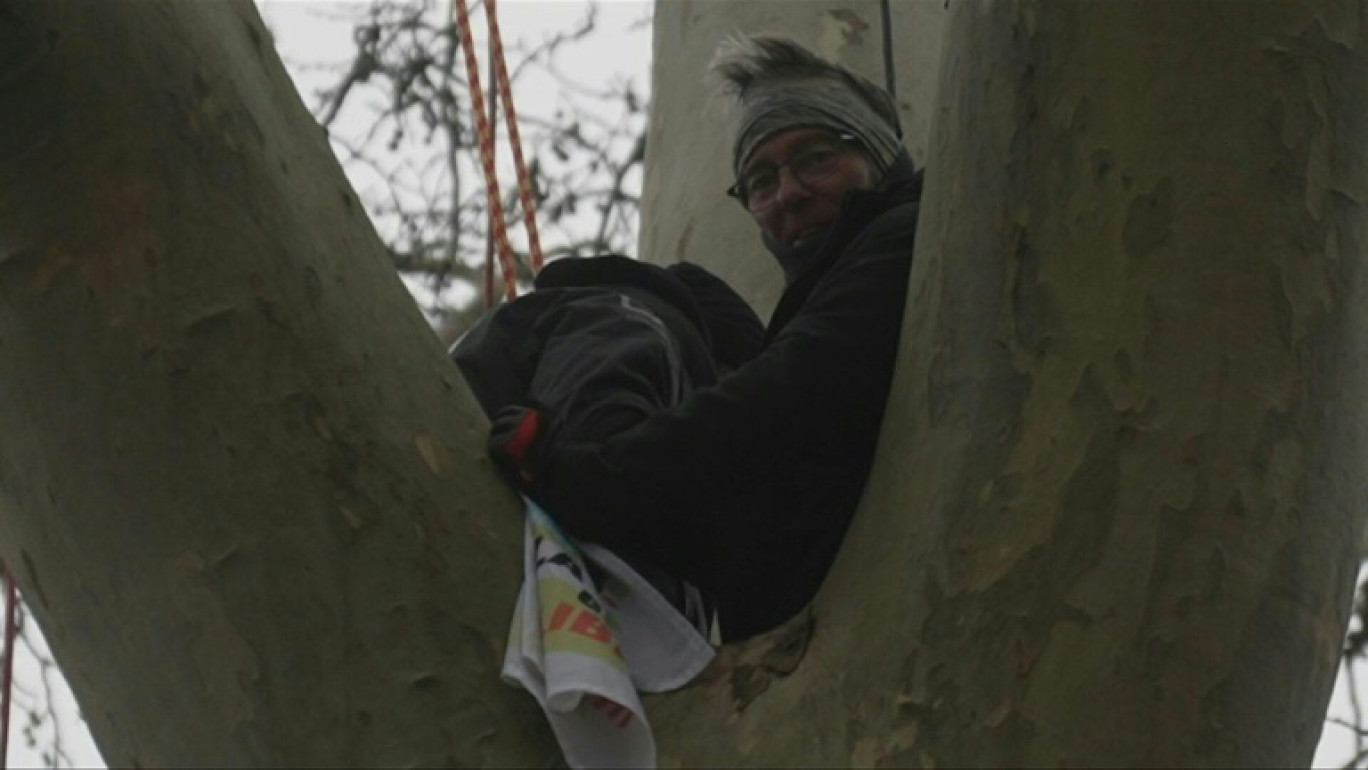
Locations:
column 240, row 484
column 1113, row 516
column 1134, row 346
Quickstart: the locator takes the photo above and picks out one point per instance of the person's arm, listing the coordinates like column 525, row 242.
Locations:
column 651, row 486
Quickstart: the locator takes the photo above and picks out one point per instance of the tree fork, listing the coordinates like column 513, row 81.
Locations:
column 241, row 486
column 1112, row 520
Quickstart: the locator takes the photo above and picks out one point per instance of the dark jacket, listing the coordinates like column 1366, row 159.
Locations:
column 604, row 342
column 746, row 487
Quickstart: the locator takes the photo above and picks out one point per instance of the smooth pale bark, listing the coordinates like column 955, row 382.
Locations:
column 241, row 486
column 689, row 139
column 1134, row 354
column 1113, row 516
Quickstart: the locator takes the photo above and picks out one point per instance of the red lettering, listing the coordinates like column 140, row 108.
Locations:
column 560, row 615
column 618, row 714
column 588, row 624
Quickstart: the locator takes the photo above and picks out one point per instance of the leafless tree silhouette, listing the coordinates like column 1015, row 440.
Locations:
column 399, row 111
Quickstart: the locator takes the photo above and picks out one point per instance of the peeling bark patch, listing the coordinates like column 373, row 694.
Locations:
column 682, row 244
column 254, row 35
column 941, row 391
column 1318, row 172
column 1149, row 220
column 1084, row 519
column 788, row 650
column 29, row 270
column 234, row 128
column 747, row 683
column 47, row 269
column 1155, row 663
column 1092, row 489
column 1341, row 24
column 303, row 411
column 1031, row 303
column 210, row 318
column 424, row 681
column 313, row 285
column 1274, row 456
column 849, row 25
column 352, row 518
column 1214, row 739
column 23, row 47
column 1300, row 124
column 33, row 576
column 268, row 310
column 224, row 658
column 20, row 257
column 1102, row 163
column 1123, row 366
column 114, row 263
column 427, row 449
column 175, row 361
column 767, row 658
column 890, row 749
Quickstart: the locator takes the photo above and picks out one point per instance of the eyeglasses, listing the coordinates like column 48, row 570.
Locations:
column 758, row 188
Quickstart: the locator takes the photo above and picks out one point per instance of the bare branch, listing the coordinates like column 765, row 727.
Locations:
column 401, row 91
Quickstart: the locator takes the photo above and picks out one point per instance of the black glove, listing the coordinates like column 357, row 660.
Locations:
column 517, row 436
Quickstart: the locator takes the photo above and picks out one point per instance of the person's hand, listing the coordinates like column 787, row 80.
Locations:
column 515, row 437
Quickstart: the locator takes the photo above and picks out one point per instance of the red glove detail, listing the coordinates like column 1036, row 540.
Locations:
column 522, row 438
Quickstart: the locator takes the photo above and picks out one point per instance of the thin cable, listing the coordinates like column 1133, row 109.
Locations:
column 511, row 119
column 890, row 80
column 486, row 150
column 490, row 298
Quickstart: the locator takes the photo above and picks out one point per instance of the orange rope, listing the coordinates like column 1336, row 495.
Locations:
column 490, row 298
column 486, row 151
column 511, row 120
column 486, row 132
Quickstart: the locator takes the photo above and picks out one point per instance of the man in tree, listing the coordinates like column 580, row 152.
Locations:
column 605, row 343
column 745, row 488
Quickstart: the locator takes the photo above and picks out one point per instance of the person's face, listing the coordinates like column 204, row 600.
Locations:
column 794, row 182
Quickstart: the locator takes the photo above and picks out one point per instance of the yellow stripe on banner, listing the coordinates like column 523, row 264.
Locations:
column 568, row 625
